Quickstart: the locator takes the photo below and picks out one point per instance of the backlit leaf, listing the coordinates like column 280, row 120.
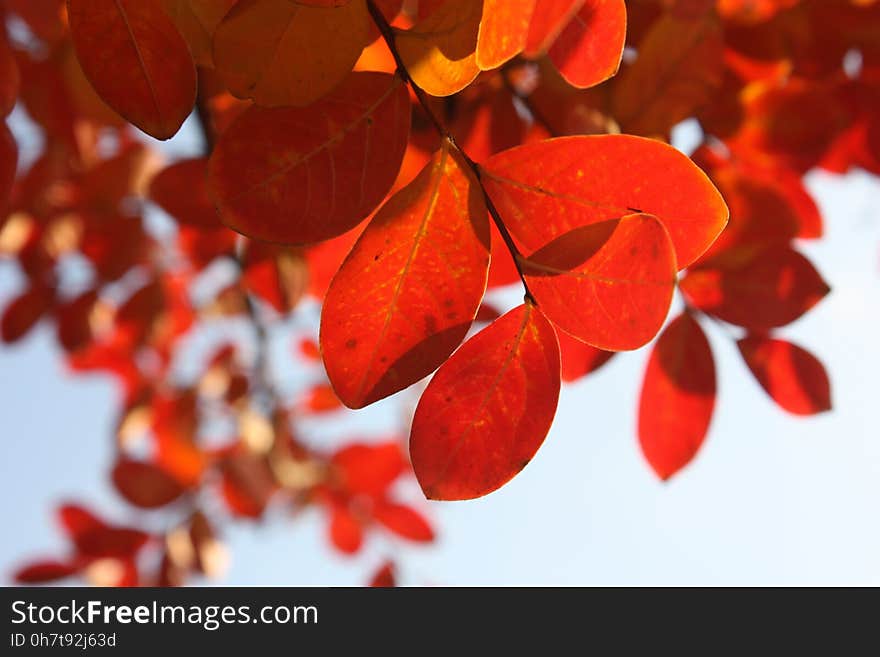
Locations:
column 440, row 51
column 571, row 182
column 678, row 397
column 758, row 288
column 589, row 49
column 548, row 20
column 404, row 522
column 405, row 297
column 182, row 191
column 792, row 376
column 609, row 284
column 137, row 61
column 144, row 484
column 488, row 409
column 299, row 175
column 288, row 53
column 503, row 31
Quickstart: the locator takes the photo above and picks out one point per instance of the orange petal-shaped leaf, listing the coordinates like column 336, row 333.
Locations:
column 136, row 59
column 791, row 375
column 144, row 484
column 546, row 189
column 503, row 31
column 300, row 175
column 488, row 409
column 288, row 53
column 548, row 20
column 678, row 397
column 440, row 51
column 346, row 533
column 369, row 469
column 405, row 297
column 589, row 49
column 759, row 288
column 608, row 284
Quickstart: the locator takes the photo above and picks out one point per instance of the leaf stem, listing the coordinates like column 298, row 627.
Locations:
column 387, row 33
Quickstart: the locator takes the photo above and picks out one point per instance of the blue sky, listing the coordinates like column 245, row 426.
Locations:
column 770, row 499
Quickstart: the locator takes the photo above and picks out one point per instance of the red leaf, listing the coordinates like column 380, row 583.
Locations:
column 144, row 484
column 300, row 175
column 792, row 376
column 589, row 49
column 503, row 31
column 404, row 522
column 346, row 532
column 609, row 284
column 384, row 577
column 182, row 191
column 756, row 288
column 137, row 61
column 405, row 297
column 678, row 397
column 488, row 409
column 571, row 182
column 548, row 20
column 23, row 313
column 41, row 572
column 369, row 469
column 8, row 162
column 578, row 358
column 9, row 77
column 73, row 321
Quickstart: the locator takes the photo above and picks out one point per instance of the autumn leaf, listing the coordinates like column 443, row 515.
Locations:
column 137, row 61
column 572, row 182
column 405, row 297
column 549, row 19
column 145, row 485
column 300, row 175
column 288, row 53
column 8, row 162
column 792, row 376
column 758, row 288
column 678, row 397
column 578, row 358
column 181, row 190
column 488, row 409
column 503, row 31
column 589, row 48
column 609, row 284
column 440, row 51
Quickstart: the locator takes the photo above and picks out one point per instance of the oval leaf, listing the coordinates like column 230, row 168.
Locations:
column 608, row 284
column 678, row 397
column 792, row 376
column 440, row 51
column 589, row 49
column 296, row 176
column 144, row 484
column 182, row 191
column 137, row 61
column 758, row 288
column 405, row 297
column 503, row 31
column 548, row 20
column 288, row 53
column 488, row 409
column 571, row 182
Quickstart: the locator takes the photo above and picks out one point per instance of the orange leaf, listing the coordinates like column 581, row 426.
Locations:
column 144, row 484
column 488, row 409
column 137, row 61
column 440, row 51
column 346, row 532
column 678, row 397
column 548, row 21
column 503, row 31
column 368, row 469
column 792, row 376
column 578, row 358
column 296, row 176
column 758, row 288
column 405, row 297
column 288, row 53
column 589, row 49
column 546, row 189
column 609, row 284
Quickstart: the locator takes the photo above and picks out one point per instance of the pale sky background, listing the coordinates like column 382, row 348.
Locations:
column 770, row 499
